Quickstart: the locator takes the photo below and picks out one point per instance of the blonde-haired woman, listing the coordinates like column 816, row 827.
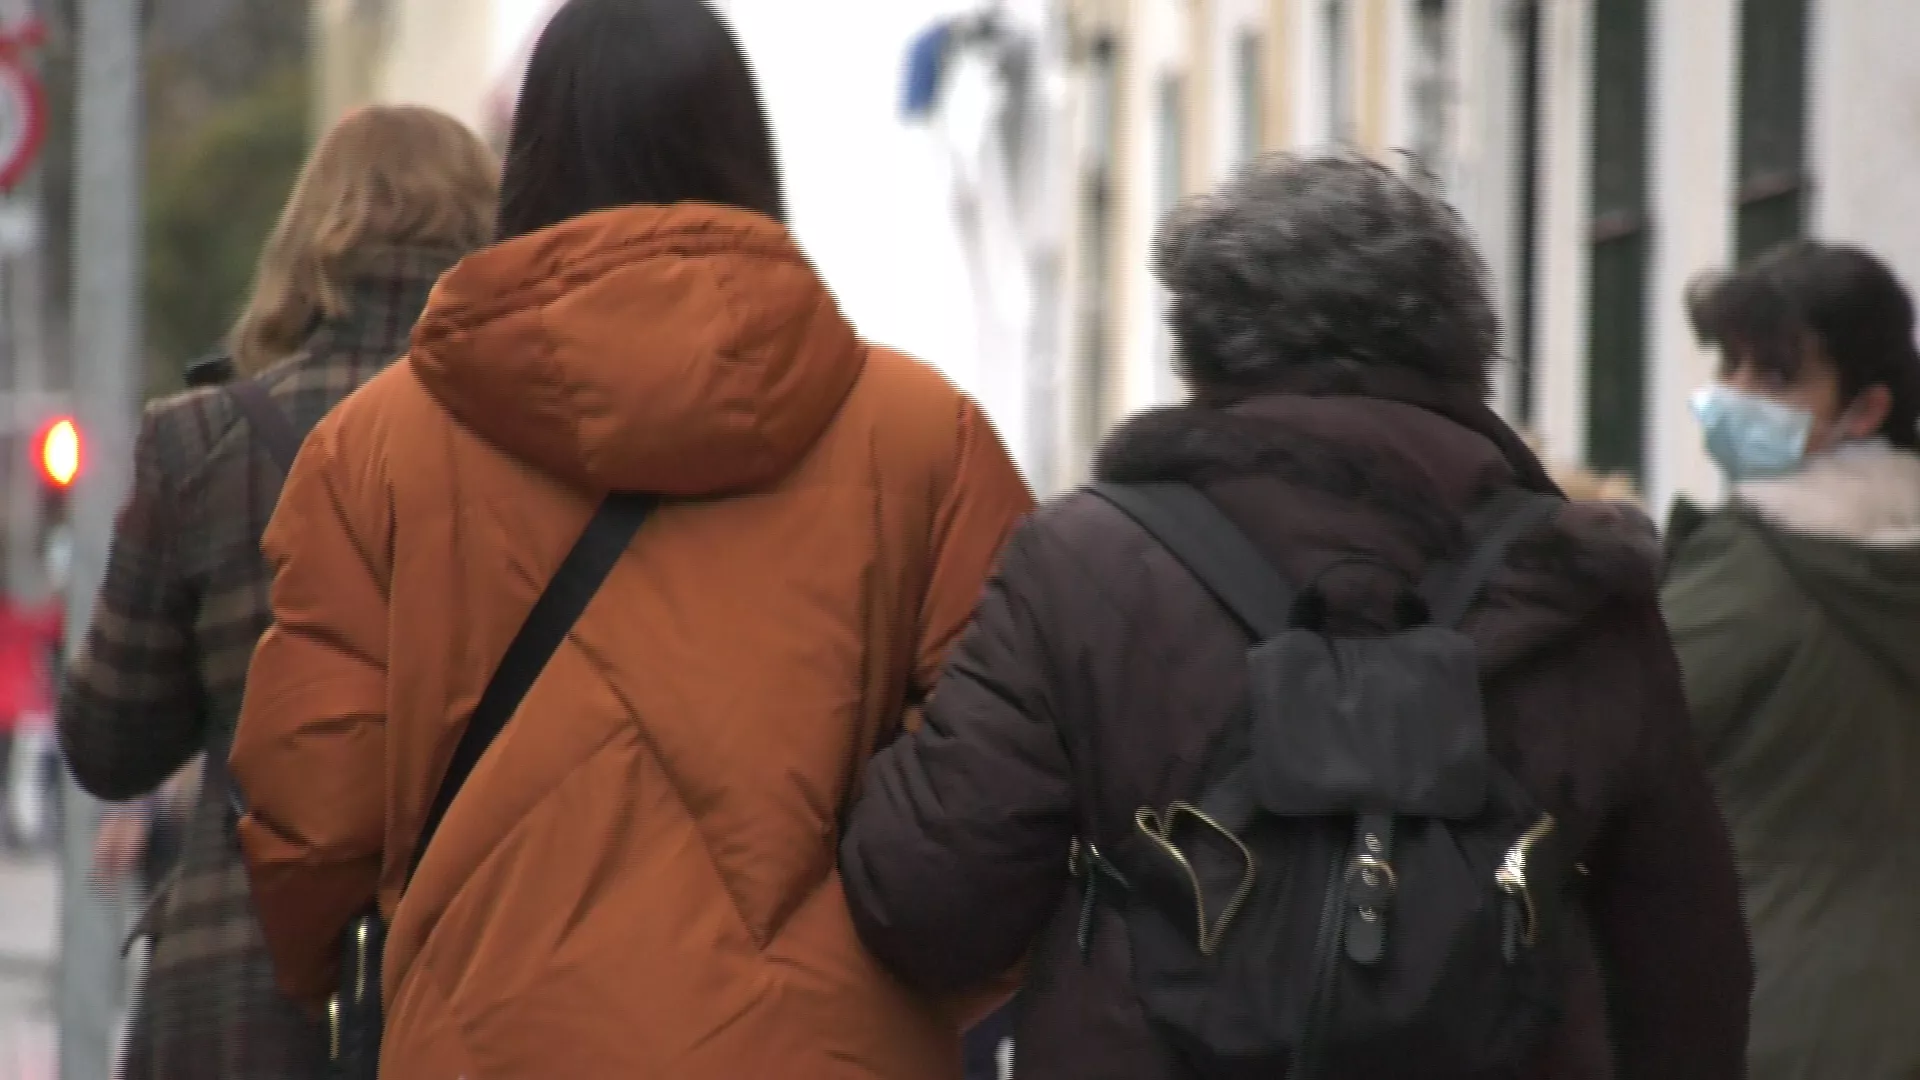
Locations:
column 390, row 199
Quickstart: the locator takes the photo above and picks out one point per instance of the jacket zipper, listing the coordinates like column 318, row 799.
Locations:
column 1326, row 955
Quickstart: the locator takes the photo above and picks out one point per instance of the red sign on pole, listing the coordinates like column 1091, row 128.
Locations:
column 23, row 103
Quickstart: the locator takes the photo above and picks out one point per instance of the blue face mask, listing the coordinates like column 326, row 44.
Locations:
column 1752, row 437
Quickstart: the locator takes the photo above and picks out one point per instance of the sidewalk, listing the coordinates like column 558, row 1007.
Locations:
column 29, row 933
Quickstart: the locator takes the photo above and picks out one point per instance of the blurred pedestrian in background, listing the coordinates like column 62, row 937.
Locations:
column 29, row 641
column 390, row 198
column 638, row 879
column 1581, row 484
column 1332, row 321
column 1796, row 611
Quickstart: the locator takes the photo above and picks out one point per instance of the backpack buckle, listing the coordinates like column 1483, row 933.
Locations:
column 1369, row 885
column 1371, row 882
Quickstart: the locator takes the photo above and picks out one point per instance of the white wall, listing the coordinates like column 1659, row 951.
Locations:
column 1865, row 137
column 1231, row 19
column 1157, row 47
column 1693, row 132
column 1482, row 174
column 440, row 53
column 866, row 193
column 1560, row 369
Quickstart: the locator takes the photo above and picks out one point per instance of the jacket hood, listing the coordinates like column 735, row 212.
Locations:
column 1393, row 480
column 685, row 350
column 1847, row 530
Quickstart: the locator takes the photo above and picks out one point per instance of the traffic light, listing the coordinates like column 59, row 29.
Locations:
column 59, row 453
column 58, row 456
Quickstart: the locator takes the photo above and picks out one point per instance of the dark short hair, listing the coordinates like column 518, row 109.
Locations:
column 630, row 102
column 1806, row 298
column 1307, row 260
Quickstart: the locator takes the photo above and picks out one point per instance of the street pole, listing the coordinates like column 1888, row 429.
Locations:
column 106, row 352
column 25, row 309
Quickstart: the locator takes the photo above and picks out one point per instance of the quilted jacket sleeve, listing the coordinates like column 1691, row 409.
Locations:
column 984, row 501
column 310, row 752
column 956, row 852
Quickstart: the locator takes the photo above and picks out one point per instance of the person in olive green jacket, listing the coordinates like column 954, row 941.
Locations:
column 1796, row 612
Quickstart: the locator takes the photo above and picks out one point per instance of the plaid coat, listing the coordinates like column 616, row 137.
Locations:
column 164, row 670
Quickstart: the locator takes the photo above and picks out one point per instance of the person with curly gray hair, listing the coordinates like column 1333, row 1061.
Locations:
column 1333, row 264
column 1333, row 320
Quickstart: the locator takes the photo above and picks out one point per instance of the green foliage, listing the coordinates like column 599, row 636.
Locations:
column 215, row 189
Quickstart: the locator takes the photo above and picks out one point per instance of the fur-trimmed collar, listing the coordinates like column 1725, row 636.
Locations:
column 1415, row 468
column 1199, row 445
column 1867, row 494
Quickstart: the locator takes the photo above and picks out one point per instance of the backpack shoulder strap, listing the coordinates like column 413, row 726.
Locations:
column 1212, row 548
column 580, row 576
column 1492, row 529
column 268, row 421
column 275, row 434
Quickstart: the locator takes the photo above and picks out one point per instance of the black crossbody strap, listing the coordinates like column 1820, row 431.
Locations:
column 566, row 597
column 1493, row 530
column 1212, row 548
column 268, row 421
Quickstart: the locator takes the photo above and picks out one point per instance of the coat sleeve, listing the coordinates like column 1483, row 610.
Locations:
column 956, row 853
column 131, row 712
column 1666, row 898
column 983, row 503
column 310, row 753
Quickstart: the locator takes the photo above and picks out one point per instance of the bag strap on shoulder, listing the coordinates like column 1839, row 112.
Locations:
column 580, row 576
column 268, row 421
column 1212, row 548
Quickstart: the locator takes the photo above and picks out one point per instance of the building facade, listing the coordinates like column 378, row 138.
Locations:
column 1604, row 152
column 462, row 57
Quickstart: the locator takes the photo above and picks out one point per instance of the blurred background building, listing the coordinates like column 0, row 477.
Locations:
column 460, row 56
column 1604, row 151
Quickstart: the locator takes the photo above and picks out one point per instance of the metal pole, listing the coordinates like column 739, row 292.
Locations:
column 26, row 300
column 106, row 359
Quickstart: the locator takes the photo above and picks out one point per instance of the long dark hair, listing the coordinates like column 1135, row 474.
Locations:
column 630, row 102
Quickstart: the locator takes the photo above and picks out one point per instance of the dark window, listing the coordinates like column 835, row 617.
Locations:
column 1251, row 84
column 1339, row 74
column 1097, row 227
column 1526, row 31
column 1617, row 327
column 1773, row 124
column 1432, row 85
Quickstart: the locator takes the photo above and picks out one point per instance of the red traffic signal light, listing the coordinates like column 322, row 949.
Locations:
column 59, row 452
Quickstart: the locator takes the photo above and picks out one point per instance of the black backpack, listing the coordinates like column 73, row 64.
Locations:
column 1358, row 889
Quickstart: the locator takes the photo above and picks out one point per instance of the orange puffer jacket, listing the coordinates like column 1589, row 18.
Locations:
column 639, row 879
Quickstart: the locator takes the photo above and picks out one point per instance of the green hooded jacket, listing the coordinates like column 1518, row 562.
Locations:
column 1796, row 615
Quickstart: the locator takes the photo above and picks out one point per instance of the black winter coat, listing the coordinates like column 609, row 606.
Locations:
column 1097, row 673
